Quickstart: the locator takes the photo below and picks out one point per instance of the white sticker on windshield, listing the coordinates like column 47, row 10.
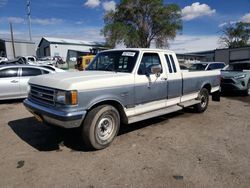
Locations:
column 130, row 54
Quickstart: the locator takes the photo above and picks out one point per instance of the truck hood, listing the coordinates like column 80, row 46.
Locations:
column 84, row 80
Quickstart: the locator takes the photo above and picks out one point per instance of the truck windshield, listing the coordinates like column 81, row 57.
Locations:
column 237, row 67
column 114, row 61
column 198, row 67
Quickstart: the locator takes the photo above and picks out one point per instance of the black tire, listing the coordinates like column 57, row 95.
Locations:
column 247, row 92
column 204, row 97
column 100, row 127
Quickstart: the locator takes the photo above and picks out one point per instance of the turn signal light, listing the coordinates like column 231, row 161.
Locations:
column 73, row 97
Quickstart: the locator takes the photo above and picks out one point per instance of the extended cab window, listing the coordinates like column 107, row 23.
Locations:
column 169, row 64
column 9, row 72
column 173, row 63
column 148, row 60
column 31, row 72
column 116, row 61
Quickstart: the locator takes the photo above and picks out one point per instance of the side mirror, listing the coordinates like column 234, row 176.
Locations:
column 157, row 70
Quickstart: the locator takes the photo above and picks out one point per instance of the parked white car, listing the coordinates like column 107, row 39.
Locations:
column 50, row 67
column 14, row 80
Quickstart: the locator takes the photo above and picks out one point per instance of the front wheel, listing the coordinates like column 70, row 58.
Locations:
column 100, row 126
column 204, row 98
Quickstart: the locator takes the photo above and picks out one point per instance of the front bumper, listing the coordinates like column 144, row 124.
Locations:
column 58, row 117
column 231, row 84
column 232, row 87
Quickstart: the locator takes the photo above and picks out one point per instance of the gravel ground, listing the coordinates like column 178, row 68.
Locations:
column 182, row 149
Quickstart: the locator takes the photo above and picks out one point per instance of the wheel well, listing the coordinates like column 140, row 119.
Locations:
column 115, row 104
column 208, row 87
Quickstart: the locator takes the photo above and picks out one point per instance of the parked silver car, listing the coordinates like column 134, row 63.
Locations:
column 205, row 66
column 14, row 80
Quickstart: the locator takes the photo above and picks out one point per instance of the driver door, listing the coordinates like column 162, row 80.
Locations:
column 150, row 89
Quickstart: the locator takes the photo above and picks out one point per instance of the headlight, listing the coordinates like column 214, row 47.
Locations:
column 240, row 76
column 61, row 97
column 67, row 97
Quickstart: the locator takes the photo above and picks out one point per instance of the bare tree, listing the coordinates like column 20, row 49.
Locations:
column 235, row 35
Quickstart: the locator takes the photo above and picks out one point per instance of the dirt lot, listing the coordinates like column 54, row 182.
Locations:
column 177, row 150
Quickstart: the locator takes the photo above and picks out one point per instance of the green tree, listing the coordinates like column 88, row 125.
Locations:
column 138, row 23
column 235, row 35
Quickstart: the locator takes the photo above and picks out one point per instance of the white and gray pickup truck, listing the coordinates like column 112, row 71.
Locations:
column 119, row 86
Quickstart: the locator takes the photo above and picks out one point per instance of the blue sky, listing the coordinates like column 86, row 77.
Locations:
column 83, row 19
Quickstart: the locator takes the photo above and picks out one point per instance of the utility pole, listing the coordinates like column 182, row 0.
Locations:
column 29, row 18
column 12, row 40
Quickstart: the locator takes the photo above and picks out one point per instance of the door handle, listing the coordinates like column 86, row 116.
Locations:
column 14, row 81
column 164, row 78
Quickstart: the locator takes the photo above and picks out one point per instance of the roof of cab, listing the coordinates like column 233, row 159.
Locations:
column 141, row 49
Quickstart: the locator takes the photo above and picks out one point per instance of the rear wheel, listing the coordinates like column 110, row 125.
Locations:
column 204, row 98
column 100, row 126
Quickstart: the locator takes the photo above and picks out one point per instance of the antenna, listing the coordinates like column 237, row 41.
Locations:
column 29, row 18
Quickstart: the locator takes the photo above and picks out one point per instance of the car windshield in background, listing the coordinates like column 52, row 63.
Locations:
column 237, row 67
column 115, row 61
column 198, row 67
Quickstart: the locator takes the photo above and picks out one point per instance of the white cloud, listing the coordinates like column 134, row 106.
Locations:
column 196, row 10
column 7, row 33
column 47, row 21
column 189, row 43
column 79, row 22
column 3, row 3
column 227, row 23
column 109, row 5
column 92, row 3
column 245, row 18
column 39, row 21
column 16, row 20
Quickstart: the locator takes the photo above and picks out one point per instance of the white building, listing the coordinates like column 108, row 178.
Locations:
column 65, row 48
column 21, row 48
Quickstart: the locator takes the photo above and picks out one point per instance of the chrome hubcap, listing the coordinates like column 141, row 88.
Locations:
column 203, row 101
column 105, row 128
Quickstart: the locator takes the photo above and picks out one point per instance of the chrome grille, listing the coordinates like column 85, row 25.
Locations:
column 42, row 94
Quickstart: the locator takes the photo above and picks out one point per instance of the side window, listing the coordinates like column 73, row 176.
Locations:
column 9, row 72
column 148, row 60
column 214, row 66
column 173, row 63
column 221, row 66
column 31, row 72
column 169, row 64
column 45, row 72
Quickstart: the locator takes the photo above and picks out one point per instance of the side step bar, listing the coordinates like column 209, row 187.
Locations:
column 163, row 111
column 189, row 103
column 155, row 113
